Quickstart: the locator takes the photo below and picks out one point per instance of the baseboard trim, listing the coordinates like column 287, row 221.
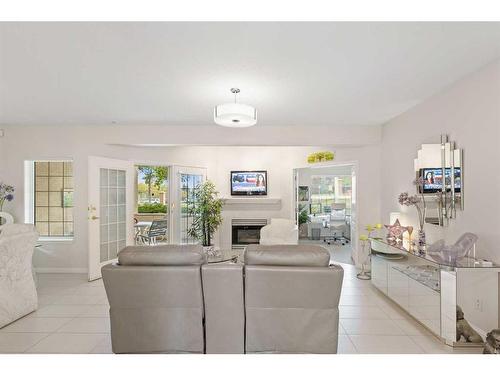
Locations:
column 481, row 332
column 60, row 270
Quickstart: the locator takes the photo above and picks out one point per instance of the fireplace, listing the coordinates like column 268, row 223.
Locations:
column 246, row 232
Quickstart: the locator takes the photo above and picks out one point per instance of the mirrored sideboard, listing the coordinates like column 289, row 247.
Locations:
column 439, row 295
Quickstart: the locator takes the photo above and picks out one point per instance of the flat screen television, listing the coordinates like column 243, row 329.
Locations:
column 248, row 182
column 433, row 179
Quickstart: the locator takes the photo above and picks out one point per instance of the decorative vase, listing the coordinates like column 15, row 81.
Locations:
column 364, row 274
column 409, row 229
column 6, row 218
column 303, row 230
column 421, row 237
column 211, row 251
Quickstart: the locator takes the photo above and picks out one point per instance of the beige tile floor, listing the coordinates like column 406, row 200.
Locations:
column 73, row 317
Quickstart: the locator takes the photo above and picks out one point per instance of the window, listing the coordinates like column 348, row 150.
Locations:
column 326, row 190
column 52, row 198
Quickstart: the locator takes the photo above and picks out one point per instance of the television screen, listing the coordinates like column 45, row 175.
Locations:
column 433, row 179
column 249, row 183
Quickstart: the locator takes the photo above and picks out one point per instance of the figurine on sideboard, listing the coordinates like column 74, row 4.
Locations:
column 465, row 330
column 395, row 232
column 452, row 253
column 492, row 344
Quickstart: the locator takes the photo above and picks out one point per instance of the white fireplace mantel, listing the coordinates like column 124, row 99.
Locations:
column 251, row 202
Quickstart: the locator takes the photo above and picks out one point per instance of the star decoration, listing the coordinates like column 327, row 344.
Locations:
column 396, row 231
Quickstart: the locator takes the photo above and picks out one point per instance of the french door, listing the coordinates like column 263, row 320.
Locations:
column 110, row 210
column 296, row 195
column 183, row 185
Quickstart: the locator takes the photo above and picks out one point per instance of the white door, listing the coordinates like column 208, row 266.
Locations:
column 354, row 214
column 182, row 188
column 296, row 206
column 110, row 210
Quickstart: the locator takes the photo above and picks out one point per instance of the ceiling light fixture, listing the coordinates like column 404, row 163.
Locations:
column 235, row 115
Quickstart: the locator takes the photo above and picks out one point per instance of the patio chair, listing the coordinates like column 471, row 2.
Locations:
column 157, row 230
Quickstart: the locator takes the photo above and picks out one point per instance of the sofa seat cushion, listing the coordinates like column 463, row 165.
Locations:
column 164, row 255
column 287, row 255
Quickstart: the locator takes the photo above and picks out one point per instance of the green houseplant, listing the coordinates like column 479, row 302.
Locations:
column 322, row 156
column 303, row 220
column 207, row 213
column 303, row 217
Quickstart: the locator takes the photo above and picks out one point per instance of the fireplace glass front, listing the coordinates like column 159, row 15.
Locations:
column 246, row 234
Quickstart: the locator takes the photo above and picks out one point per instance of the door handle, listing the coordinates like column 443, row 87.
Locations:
column 93, row 217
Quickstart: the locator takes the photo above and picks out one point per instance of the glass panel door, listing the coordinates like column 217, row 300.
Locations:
column 113, row 231
column 110, row 210
column 182, row 188
column 189, row 183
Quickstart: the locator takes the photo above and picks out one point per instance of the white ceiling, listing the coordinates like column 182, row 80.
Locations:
column 174, row 73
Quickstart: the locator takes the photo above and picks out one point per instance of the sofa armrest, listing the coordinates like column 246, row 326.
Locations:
column 224, row 308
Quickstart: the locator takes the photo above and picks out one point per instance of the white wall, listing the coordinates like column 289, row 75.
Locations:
column 77, row 143
column 469, row 112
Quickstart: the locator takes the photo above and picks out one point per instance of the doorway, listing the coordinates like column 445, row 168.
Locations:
column 126, row 196
column 110, row 211
column 325, row 207
column 151, row 206
column 183, row 184
column 167, row 193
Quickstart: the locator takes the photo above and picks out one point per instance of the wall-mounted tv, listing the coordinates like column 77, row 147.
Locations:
column 248, row 182
column 433, row 179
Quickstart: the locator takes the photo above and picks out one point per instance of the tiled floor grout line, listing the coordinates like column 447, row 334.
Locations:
column 416, row 343
column 352, row 343
column 41, row 338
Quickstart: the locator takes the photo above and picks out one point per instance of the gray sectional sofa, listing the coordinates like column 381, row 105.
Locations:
column 167, row 299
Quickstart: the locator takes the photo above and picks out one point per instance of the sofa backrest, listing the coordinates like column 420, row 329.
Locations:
column 17, row 243
column 291, row 300
column 18, row 295
column 164, row 255
column 12, row 229
column 224, row 308
column 287, row 255
column 156, row 300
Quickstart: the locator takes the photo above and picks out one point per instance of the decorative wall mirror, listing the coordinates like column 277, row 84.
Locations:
column 443, row 195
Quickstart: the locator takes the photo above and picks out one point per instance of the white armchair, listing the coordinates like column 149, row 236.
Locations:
column 279, row 232
column 18, row 295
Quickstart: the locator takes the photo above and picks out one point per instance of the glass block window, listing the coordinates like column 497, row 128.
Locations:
column 53, row 198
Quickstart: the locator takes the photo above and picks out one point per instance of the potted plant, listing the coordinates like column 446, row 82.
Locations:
column 303, row 220
column 318, row 157
column 207, row 213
